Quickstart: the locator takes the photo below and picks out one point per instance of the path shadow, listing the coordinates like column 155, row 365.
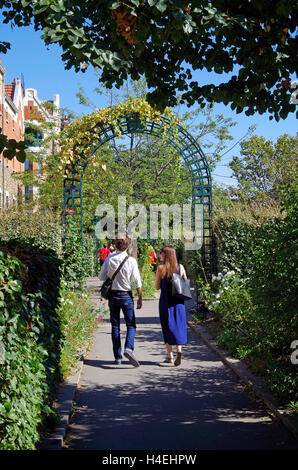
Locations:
column 110, row 364
column 195, row 409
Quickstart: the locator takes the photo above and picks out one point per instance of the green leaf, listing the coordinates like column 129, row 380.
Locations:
column 162, row 5
column 21, row 156
column 10, row 154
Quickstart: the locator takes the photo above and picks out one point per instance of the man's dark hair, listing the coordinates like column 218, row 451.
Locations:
column 122, row 243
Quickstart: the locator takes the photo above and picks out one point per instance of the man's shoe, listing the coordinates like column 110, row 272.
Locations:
column 117, row 362
column 128, row 353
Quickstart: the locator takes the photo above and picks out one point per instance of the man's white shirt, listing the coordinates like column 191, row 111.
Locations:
column 129, row 271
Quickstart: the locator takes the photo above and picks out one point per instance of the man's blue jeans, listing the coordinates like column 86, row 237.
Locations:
column 122, row 300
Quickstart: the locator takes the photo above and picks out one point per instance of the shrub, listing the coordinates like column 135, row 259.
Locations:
column 44, row 229
column 275, row 292
column 78, row 259
column 30, row 336
column 236, row 234
column 233, row 341
column 79, row 319
column 44, row 327
column 229, row 298
column 257, row 303
column 146, row 271
column 40, row 228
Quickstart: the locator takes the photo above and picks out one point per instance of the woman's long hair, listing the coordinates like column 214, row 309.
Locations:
column 170, row 263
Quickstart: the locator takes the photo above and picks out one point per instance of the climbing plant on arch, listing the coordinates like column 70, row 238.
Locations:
column 84, row 136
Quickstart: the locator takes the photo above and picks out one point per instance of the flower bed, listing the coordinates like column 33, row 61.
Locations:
column 79, row 319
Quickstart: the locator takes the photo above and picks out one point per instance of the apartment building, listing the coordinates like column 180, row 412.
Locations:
column 18, row 105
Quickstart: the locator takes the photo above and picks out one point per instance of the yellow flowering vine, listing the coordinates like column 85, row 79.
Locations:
column 80, row 137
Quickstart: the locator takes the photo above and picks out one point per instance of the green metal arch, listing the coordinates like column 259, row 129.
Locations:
column 178, row 138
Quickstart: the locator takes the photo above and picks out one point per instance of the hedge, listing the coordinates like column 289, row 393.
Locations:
column 30, row 342
column 254, row 294
column 237, row 234
column 40, row 228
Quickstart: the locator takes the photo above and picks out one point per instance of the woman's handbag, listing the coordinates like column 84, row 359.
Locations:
column 180, row 287
column 106, row 288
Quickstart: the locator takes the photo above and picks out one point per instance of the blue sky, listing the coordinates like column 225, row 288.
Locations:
column 43, row 69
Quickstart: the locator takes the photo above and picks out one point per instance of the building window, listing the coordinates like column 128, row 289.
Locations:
column 33, row 137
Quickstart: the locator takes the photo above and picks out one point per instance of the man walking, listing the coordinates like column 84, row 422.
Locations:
column 121, row 297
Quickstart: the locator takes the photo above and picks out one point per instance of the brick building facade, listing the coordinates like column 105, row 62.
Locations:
column 16, row 107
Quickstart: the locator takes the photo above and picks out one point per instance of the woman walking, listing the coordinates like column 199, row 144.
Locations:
column 171, row 309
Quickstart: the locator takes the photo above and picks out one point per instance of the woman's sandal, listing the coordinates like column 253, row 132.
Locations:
column 168, row 360
column 178, row 359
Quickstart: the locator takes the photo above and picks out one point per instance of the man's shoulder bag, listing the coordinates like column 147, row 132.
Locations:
column 106, row 288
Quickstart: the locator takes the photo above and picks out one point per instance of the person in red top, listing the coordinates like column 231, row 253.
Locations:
column 103, row 254
column 153, row 257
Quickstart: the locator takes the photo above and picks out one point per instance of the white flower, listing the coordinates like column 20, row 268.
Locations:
column 217, row 296
column 230, row 273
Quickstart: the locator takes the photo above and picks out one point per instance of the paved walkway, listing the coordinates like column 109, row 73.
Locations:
column 200, row 405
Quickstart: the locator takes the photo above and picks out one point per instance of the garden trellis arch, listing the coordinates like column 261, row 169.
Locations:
column 178, row 137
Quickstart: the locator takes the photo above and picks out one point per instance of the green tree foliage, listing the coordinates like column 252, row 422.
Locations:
column 41, row 148
column 212, row 131
column 263, row 165
column 167, row 40
column 143, row 169
column 11, row 148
